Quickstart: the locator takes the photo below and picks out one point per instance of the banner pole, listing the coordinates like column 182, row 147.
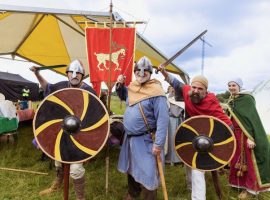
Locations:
column 107, row 160
column 110, row 63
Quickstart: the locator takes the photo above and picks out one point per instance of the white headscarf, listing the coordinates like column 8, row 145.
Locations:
column 238, row 81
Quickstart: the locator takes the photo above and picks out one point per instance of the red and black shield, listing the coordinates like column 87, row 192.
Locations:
column 205, row 143
column 71, row 125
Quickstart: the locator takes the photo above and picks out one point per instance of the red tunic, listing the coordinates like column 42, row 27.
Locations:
column 208, row 106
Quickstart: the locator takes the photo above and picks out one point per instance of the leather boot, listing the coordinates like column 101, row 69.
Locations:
column 56, row 185
column 149, row 194
column 128, row 197
column 245, row 195
column 79, row 185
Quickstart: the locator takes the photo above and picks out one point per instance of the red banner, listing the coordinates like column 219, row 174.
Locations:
column 97, row 87
column 98, row 52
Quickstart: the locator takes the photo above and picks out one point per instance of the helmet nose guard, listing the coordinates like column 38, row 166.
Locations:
column 75, row 67
column 144, row 64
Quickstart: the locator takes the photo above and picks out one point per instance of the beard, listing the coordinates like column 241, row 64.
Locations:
column 142, row 79
column 75, row 82
column 195, row 97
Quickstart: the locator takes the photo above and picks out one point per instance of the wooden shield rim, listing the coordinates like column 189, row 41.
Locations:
column 106, row 113
column 206, row 116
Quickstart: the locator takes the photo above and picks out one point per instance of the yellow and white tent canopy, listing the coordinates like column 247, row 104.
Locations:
column 54, row 37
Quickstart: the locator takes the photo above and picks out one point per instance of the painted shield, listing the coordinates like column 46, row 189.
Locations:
column 71, row 125
column 205, row 143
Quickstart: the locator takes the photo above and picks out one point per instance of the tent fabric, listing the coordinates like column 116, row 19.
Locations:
column 56, row 36
column 11, row 86
column 261, row 93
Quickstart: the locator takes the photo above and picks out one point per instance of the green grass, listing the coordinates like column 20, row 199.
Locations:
column 26, row 186
column 117, row 106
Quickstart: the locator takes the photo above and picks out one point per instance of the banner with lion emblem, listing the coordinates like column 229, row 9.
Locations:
column 98, row 52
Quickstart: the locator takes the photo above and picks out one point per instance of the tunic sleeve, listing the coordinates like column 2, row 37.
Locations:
column 177, row 85
column 161, row 113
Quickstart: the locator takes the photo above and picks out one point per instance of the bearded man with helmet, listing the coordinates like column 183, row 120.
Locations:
column 75, row 73
column 139, row 149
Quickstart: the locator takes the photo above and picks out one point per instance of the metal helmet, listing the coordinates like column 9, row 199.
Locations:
column 75, row 66
column 144, row 64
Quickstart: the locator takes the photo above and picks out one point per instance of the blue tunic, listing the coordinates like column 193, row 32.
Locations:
column 136, row 156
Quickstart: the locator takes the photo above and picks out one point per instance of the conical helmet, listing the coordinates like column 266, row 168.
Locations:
column 74, row 67
column 144, row 64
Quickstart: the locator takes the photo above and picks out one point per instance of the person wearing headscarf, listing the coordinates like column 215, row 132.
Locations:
column 250, row 165
column 137, row 159
column 198, row 101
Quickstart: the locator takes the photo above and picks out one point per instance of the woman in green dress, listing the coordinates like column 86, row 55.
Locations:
column 250, row 166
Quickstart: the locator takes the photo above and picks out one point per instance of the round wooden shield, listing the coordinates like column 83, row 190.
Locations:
column 71, row 125
column 205, row 143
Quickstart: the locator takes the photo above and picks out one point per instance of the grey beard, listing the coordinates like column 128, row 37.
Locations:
column 76, row 83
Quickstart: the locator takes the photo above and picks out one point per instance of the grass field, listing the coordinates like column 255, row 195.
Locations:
column 26, row 186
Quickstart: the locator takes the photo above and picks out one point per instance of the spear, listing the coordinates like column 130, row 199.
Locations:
column 22, row 170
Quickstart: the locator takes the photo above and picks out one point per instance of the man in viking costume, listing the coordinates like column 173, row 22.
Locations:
column 145, row 131
column 176, row 113
column 75, row 73
column 197, row 102
column 250, row 166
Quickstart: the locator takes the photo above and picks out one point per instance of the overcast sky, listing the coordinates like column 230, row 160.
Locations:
column 237, row 30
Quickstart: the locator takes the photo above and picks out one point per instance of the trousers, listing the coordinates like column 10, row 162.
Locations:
column 77, row 170
column 198, row 186
column 135, row 188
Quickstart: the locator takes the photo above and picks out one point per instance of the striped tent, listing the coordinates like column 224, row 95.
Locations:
column 56, row 36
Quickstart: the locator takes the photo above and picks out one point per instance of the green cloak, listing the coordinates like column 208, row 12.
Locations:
column 243, row 110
